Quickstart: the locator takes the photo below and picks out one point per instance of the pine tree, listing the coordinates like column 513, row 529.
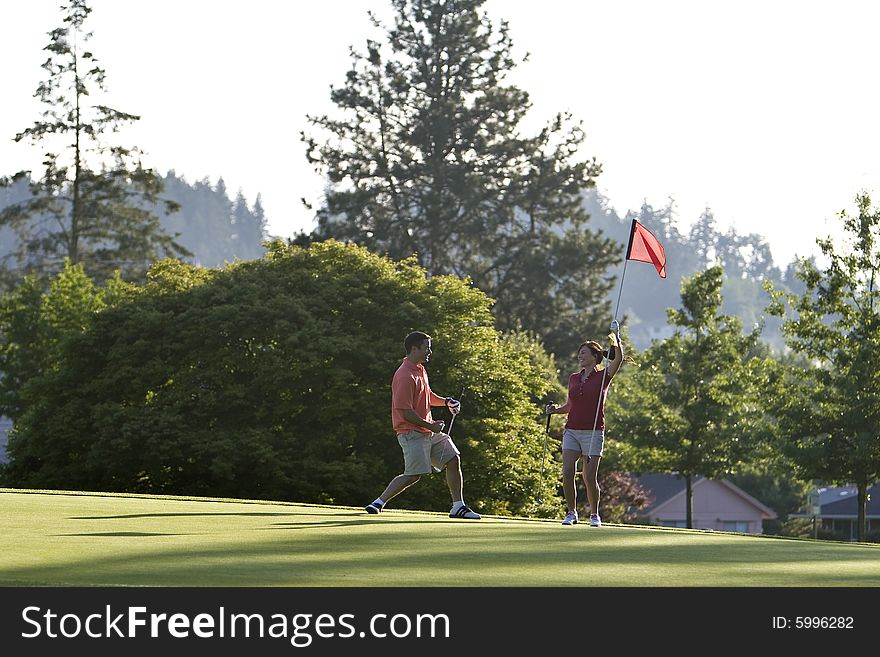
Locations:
column 427, row 156
column 91, row 203
column 249, row 227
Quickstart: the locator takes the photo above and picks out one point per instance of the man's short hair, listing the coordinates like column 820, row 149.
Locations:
column 414, row 339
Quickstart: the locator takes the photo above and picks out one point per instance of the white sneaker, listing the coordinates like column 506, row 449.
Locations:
column 571, row 518
column 465, row 512
column 595, row 520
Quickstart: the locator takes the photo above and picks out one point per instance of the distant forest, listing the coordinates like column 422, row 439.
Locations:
column 218, row 229
column 746, row 261
column 210, row 224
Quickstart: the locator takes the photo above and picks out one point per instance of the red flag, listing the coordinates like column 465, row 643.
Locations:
column 644, row 247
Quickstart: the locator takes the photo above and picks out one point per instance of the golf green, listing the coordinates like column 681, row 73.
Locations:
column 50, row 538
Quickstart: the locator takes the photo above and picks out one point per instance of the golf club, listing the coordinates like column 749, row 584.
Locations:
column 449, row 430
column 544, row 456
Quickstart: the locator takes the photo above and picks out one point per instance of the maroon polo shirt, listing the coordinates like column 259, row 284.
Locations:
column 583, row 397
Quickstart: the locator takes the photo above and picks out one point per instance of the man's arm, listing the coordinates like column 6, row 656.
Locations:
column 436, row 400
column 412, row 417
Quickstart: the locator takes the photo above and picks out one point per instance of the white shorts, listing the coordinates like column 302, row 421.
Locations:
column 585, row 441
column 423, row 450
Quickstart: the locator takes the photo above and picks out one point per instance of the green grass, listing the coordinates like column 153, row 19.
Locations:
column 52, row 538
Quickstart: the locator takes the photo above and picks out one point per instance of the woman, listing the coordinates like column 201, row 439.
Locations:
column 584, row 434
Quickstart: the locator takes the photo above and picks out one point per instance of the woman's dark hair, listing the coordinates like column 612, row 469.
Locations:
column 594, row 346
column 597, row 350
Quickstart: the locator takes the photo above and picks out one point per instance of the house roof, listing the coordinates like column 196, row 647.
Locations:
column 661, row 487
column 665, row 487
column 843, row 501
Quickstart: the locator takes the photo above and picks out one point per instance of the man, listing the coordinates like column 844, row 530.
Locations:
column 421, row 438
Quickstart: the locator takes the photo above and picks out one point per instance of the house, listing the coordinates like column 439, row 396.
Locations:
column 838, row 511
column 718, row 505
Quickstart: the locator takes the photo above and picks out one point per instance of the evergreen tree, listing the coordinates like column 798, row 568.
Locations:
column 91, row 204
column 249, row 227
column 703, row 237
column 427, row 156
column 259, row 215
column 830, row 414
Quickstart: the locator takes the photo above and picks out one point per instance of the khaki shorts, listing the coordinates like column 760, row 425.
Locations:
column 422, row 450
column 585, row 441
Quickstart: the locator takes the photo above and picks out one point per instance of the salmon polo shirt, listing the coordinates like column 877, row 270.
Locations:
column 410, row 389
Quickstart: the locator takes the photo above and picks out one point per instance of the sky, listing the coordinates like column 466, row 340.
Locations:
column 764, row 112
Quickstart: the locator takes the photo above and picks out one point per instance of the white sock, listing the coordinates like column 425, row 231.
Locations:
column 457, row 505
column 379, row 501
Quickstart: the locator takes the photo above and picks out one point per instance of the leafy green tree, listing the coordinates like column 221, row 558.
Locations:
column 90, row 203
column 35, row 321
column 692, row 404
column 271, row 379
column 830, row 412
column 426, row 156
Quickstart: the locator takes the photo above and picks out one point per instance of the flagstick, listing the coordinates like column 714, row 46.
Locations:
column 605, row 369
column 620, row 292
column 660, row 266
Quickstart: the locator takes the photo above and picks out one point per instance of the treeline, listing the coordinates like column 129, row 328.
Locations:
column 210, row 225
column 217, row 229
column 745, row 260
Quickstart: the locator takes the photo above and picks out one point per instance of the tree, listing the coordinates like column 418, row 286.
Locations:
column 703, row 237
column 215, row 228
column 35, row 322
column 271, row 379
column 202, row 224
column 249, row 226
column 427, row 157
column 692, row 405
column 830, row 414
column 90, row 203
